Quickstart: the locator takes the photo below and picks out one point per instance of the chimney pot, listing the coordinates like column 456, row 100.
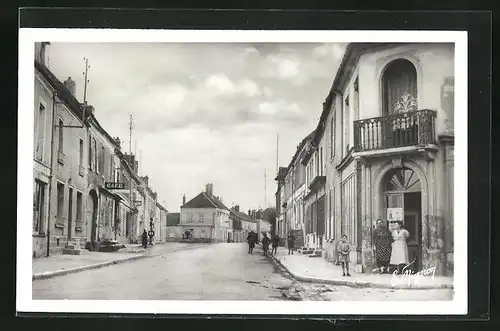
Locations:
column 70, row 85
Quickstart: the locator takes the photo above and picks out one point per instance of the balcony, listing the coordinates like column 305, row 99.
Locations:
column 317, row 183
column 408, row 129
column 61, row 157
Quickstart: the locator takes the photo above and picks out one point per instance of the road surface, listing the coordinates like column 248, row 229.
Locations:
column 207, row 272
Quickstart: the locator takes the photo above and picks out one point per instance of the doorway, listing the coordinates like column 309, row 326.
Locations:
column 70, row 214
column 93, row 213
column 403, row 202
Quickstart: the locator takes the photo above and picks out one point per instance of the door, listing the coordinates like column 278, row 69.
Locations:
column 413, row 223
column 70, row 214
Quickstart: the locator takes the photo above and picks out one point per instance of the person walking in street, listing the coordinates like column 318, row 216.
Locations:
column 382, row 239
column 275, row 241
column 251, row 242
column 290, row 242
column 265, row 244
column 344, row 250
column 399, row 254
column 144, row 239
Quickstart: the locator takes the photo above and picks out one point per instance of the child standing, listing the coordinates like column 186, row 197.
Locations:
column 344, row 249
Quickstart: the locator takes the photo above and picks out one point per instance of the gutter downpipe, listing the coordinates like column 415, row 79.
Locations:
column 54, row 95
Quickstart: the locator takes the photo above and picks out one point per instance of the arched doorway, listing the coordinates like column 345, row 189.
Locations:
column 403, row 202
column 92, row 203
column 399, row 77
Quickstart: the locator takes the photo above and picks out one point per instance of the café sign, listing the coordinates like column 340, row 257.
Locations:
column 114, row 186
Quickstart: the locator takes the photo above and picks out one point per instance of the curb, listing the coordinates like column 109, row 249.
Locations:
column 358, row 284
column 62, row 272
column 51, row 274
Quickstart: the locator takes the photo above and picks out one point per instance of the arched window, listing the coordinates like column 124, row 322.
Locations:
column 400, row 77
column 402, row 180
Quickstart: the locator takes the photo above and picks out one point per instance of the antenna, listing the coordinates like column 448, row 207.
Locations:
column 140, row 158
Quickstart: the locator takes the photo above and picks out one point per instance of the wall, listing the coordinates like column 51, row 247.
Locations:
column 41, row 159
column 66, row 171
column 433, row 62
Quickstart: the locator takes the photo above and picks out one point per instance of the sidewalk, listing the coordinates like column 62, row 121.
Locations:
column 60, row 264
column 318, row 270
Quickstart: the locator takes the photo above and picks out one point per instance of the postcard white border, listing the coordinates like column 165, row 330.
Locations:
column 24, row 301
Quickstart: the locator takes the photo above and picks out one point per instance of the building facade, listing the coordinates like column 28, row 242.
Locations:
column 58, row 156
column 73, row 159
column 383, row 149
column 206, row 218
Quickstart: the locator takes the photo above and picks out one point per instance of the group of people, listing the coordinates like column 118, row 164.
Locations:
column 274, row 241
column 391, row 249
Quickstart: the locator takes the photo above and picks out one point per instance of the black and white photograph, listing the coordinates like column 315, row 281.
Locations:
column 248, row 172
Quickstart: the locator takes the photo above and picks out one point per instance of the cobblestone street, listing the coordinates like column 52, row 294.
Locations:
column 207, row 272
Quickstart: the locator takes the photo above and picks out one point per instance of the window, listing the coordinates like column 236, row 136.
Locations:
column 38, row 206
column 91, row 159
column 80, row 152
column 70, row 209
column 356, row 99
column 102, row 156
column 317, row 164
column 400, row 77
column 40, row 133
column 60, row 204
column 95, row 159
column 79, row 210
column 61, row 138
column 332, row 136
column 321, row 160
column 347, row 124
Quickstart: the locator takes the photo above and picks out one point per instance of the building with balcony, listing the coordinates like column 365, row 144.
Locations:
column 206, row 218
column 383, row 148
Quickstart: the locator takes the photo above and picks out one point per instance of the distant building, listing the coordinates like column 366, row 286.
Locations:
column 205, row 217
column 242, row 224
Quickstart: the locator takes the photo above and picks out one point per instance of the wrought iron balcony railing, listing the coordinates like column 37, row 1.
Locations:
column 404, row 129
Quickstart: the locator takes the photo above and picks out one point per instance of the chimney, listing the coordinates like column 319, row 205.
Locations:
column 209, row 189
column 237, row 208
column 183, row 199
column 249, row 213
column 118, row 142
column 41, row 51
column 70, row 85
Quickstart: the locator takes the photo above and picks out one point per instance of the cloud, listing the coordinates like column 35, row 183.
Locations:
column 205, row 112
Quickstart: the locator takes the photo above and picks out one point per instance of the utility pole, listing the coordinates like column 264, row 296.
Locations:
column 85, row 75
column 277, row 152
column 130, row 127
column 265, row 188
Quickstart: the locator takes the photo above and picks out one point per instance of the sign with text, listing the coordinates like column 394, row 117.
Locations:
column 114, row 186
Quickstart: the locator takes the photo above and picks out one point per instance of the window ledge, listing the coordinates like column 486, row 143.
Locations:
column 39, row 235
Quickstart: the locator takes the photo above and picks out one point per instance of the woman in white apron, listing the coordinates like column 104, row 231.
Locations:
column 399, row 254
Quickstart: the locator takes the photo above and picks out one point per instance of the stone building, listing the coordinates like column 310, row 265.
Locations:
column 59, row 155
column 242, row 224
column 206, row 218
column 383, row 148
column 162, row 222
column 293, row 180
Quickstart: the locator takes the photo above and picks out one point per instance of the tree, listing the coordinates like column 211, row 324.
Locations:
column 270, row 216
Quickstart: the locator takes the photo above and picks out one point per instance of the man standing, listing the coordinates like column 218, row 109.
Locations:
column 290, row 242
column 275, row 241
column 265, row 244
column 251, row 242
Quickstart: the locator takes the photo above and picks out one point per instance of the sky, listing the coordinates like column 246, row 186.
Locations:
column 205, row 113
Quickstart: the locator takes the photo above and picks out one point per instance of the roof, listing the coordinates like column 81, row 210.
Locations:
column 300, row 147
column 203, row 200
column 160, row 206
column 346, row 68
column 63, row 93
column 173, row 219
column 241, row 216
